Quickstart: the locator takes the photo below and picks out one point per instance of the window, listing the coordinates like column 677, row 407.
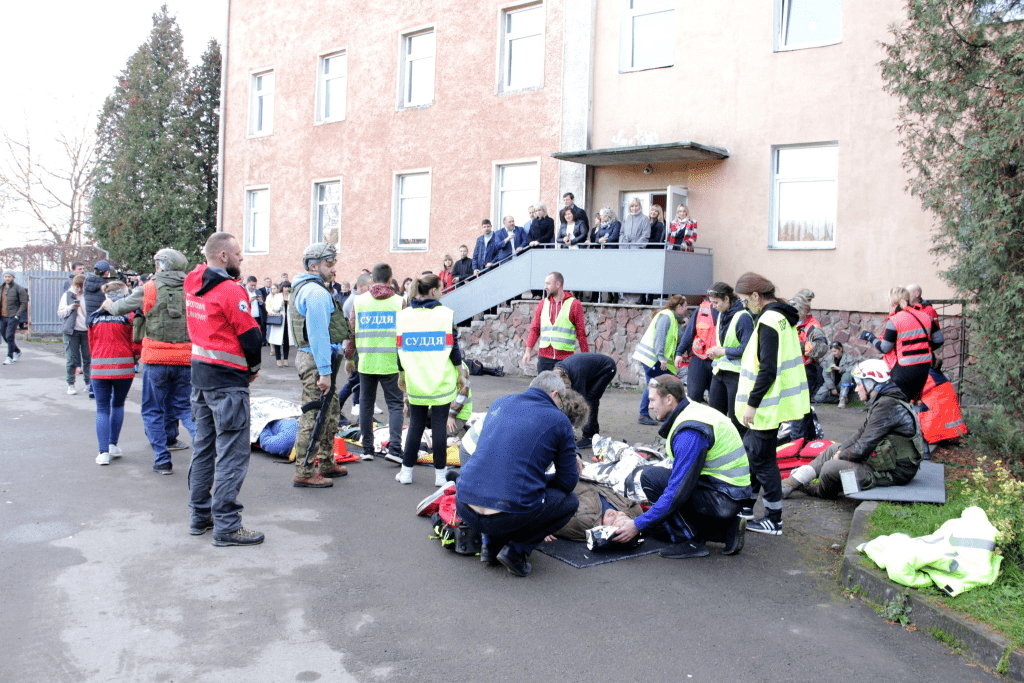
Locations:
column 648, row 35
column 333, row 76
column 257, row 220
column 518, row 186
column 804, row 197
column 261, row 104
column 327, row 209
column 807, row 23
column 418, row 69
column 522, row 63
column 413, row 210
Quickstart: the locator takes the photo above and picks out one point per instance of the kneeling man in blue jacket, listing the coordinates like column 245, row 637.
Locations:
column 503, row 492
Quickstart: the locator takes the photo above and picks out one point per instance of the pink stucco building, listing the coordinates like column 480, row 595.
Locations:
column 406, row 123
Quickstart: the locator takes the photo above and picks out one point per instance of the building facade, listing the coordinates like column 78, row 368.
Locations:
column 403, row 124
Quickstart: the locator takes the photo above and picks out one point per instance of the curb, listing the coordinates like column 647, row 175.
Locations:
column 978, row 642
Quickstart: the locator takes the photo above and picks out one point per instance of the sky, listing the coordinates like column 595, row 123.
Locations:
column 62, row 59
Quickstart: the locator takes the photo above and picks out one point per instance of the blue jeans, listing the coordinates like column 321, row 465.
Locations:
column 649, row 374
column 524, row 531
column 220, row 456
column 110, row 395
column 165, row 400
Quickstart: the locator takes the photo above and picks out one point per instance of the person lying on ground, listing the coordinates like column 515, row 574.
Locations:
column 886, row 451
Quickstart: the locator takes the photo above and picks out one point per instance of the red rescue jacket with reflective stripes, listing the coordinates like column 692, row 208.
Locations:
column 219, row 322
column 913, row 339
column 110, row 344
column 703, row 331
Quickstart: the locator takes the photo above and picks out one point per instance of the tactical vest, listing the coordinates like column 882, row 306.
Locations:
column 376, row 333
column 787, row 398
column 727, row 458
column 645, row 351
column 894, row 448
column 166, row 321
column 338, row 326
column 561, row 334
column 731, row 341
column 703, row 330
column 424, row 343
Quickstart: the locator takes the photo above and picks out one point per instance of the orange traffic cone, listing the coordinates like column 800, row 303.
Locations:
column 341, row 453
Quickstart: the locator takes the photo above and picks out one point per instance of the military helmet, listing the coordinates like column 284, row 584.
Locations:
column 172, row 259
column 317, row 251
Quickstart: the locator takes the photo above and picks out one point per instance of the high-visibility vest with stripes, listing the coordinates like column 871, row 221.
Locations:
column 703, row 330
column 561, row 334
column 804, row 331
column 473, row 435
column 731, row 341
column 424, row 343
column 467, row 408
column 376, row 333
column 913, row 339
column 727, row 458
column 645, row 351
column 787, row 398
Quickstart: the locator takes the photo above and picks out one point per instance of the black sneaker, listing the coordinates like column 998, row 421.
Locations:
column 746, row 513
column 584, row 444
column 685, row 550
column 166, row 468
column 734, row 536
column 240, row 536
column 647, row 420
column 200, row 528
column 766, row 526
column 515, row 562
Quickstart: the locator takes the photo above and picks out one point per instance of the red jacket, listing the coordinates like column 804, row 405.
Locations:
column 578, row 321
column 226, row 340
column 110, row 344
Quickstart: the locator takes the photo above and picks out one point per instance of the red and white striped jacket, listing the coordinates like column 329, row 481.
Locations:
column 111, row 346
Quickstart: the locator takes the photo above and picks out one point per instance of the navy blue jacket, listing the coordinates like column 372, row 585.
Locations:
column 483, row 255
column 522, row 435
column 542, row 231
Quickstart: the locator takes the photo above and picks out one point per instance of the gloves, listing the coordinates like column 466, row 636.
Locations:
column 868, row 337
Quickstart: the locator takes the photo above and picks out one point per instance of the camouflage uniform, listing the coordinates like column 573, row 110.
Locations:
column 308, row 373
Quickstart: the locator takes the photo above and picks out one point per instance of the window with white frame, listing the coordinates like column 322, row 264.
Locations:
column 807, row 23
column 257, row 220
column 804, row 196
column 648, row 34
column 327, row 209
column 522, row 57
column 261, row 104
column 332, row 79
column 517, row 187
column 412, row 210
column 418, row 69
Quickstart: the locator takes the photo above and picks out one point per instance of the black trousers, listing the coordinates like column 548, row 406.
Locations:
column 595, row 387
column 418, row 416
column 722, row 396
column 764, row 469
column 704, row 516
column 523, row 530
column 698, row 378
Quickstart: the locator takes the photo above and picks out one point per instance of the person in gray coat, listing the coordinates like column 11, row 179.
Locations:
column 636, row 227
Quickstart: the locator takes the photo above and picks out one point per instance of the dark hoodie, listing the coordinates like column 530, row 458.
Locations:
column 93, row 292
column 768, row 351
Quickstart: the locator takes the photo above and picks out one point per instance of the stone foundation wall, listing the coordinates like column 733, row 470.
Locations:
column 615, row 330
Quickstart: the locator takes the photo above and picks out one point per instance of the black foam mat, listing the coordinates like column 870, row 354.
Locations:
column 576, row 553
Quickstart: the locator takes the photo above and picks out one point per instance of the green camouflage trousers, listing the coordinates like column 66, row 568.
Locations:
column 308, row 373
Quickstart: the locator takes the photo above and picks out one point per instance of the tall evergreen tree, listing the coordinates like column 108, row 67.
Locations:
column 957, row 67
column 152, row 188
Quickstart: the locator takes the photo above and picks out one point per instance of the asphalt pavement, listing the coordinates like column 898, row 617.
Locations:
column 101, row 580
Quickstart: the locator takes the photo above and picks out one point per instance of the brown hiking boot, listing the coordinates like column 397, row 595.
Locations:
column 314, row 481
column 334, row 472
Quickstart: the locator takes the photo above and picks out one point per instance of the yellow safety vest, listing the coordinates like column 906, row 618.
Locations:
column 731, row 341
column 376, row 332
column 645, row 351
column 472, row 436
column 562, row 333
column 727, row 458
column 424, row 345
column 787, row 398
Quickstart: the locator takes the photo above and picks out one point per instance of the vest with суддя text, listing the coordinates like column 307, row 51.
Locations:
column 376, row 333
column 424, row 344
column 727, row 458
column 645, row 352
column 338, row 325
column 560, row 334
column 787, row 398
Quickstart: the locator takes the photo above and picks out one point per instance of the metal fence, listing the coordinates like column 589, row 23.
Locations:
column 45, row 288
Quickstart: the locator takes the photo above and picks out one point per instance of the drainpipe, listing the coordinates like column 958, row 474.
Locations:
column 221, row 124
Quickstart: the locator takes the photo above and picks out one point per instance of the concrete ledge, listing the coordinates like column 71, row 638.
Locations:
column 980, row 643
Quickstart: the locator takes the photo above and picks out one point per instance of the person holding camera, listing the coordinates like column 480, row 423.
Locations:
column 76, row 335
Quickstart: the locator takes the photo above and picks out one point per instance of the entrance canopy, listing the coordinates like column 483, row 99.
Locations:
column 670, row 152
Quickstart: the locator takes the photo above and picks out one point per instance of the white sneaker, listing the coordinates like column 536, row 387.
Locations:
column 367, row 457
column 17, row 355
column 103, row 459
column 377, row 411
column 355, row 411
column 441, row 477
column 8, row 361
column 404, row 475
column 71, row 390
column 114, row 450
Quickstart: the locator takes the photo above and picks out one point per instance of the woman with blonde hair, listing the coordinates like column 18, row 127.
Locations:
column 277, row 333
column 683, row 231
column 907, row 344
